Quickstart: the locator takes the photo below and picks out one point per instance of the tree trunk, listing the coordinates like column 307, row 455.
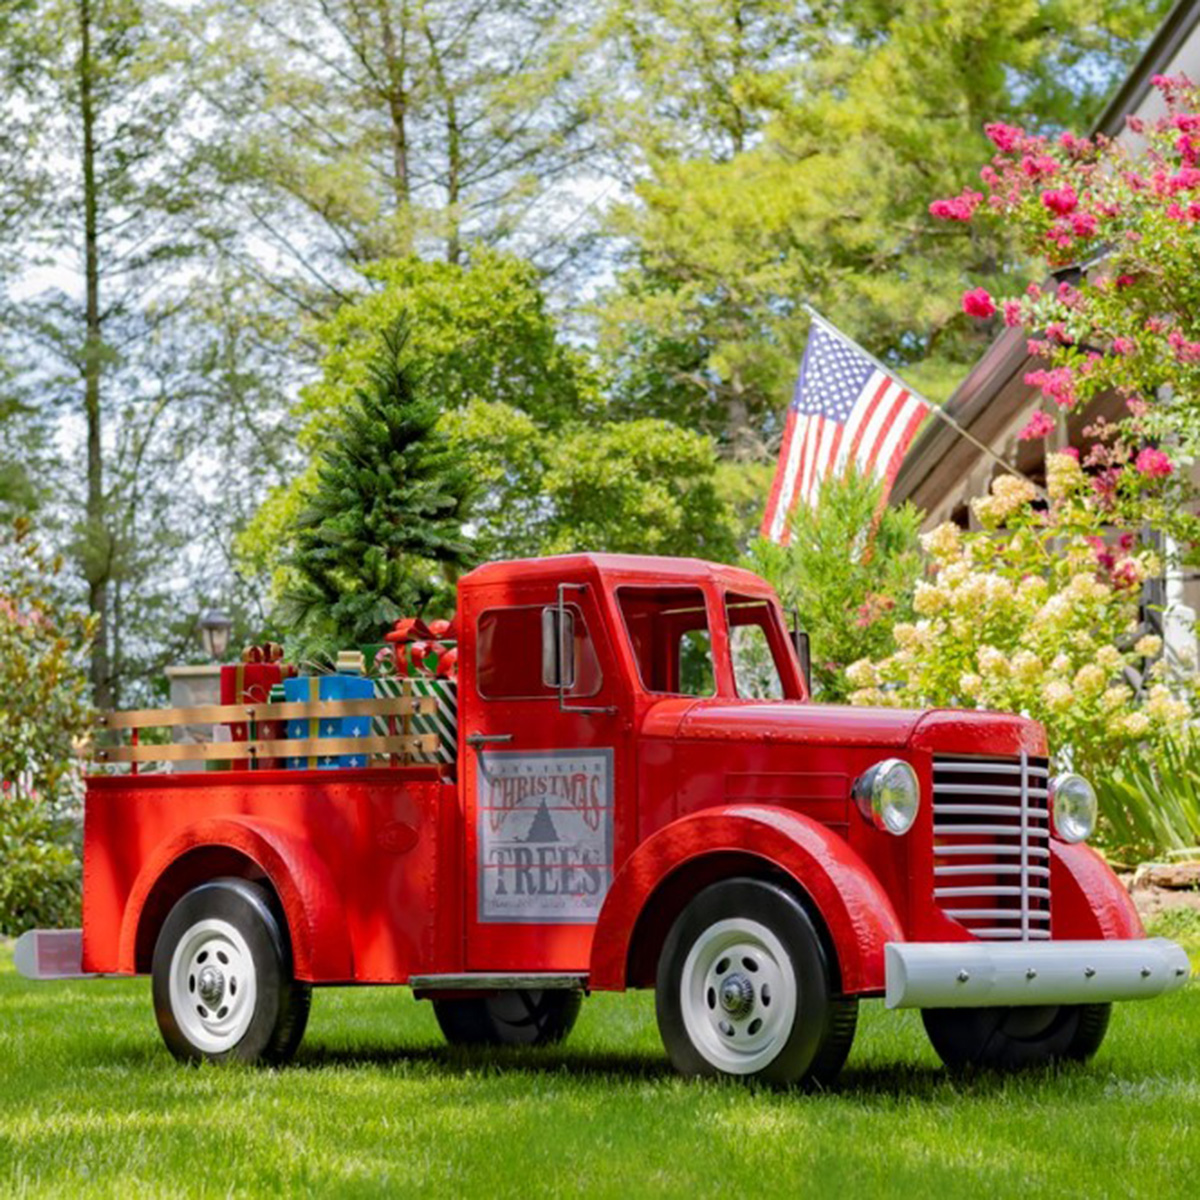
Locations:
column 394, row 53
column 96, row 557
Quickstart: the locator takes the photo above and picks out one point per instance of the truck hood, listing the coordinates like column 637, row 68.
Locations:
column 791, row 722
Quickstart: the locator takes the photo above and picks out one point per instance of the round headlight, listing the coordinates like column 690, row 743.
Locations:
column 889, row 795
column 1074, row 803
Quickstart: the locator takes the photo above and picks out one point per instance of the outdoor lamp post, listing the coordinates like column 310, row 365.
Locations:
column 214, row 633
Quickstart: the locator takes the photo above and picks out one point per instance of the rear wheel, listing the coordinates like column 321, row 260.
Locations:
column 1010, row 1039
column 222, row 977
column 744, row 989
column 522, row 1017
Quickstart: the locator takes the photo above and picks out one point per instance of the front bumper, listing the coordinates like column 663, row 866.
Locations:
column 978, row 974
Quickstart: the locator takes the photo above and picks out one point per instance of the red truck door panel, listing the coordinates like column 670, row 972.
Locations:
column 541, row 778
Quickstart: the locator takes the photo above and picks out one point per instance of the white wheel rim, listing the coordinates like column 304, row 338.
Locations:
column 213, row 985
column 738, row 993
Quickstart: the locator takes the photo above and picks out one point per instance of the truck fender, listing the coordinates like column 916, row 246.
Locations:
column 848, row 899
column 1089, row 900
column 315, row 917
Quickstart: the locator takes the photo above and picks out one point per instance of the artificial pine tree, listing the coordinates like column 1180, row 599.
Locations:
column 385, row 524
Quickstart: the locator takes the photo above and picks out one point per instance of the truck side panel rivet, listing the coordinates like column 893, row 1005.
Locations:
column 963, row 976
column 1088, row 972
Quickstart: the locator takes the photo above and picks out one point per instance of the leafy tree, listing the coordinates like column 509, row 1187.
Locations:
column 359, row 130
column 44, row 719
column 387, row 509
column 807, row 177
column 848, row 571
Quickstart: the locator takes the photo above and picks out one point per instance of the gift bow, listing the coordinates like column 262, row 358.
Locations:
column 268, row 652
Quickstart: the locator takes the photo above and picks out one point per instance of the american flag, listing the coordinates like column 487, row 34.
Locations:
column 846, row 409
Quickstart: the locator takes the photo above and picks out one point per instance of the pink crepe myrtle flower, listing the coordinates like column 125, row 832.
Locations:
column 1069, row 295
column 1185, row 351
column 1184, row 180
column 1035, row 165
column 1186, row 122
column 1123, row 345
column 1061, row 201
column 1012, row 313
column 1038, row 426
column 1057, row 332
column 1005, row 138
column 978, row 303
column 1125, row 281
column 1036, row 348
column 957, row 208
column 1104, row 556
column 1057, row 384
column 1083, row 224
column 1153, row 463
column 1033, row 291
column 1137, row 406
column 1135, row 124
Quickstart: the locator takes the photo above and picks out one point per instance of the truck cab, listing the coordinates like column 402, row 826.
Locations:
column 642, row 794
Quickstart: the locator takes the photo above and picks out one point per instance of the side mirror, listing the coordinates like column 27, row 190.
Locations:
column 800, row 642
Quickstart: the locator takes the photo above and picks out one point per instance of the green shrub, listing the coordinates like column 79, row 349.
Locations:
column 44, row 721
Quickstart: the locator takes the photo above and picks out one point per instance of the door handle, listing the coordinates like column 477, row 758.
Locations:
column 482, row 739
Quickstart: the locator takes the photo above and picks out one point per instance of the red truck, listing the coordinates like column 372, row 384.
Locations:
column 642, row 796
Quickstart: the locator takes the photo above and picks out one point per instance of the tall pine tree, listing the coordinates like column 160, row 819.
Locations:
column 384, row 527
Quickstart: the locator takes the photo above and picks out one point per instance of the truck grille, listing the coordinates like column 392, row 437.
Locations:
column 991, row 844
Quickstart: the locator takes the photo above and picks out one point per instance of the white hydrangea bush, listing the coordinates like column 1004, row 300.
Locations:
column 1035, row 613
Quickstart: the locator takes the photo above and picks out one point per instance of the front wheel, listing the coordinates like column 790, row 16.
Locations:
column 744, row 989
column 1011, row 1039
column 524, row 1017
column 222, row 977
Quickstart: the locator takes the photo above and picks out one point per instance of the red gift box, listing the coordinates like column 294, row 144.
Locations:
column 251, row 683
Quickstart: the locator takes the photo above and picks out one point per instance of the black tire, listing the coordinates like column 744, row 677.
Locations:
column 701, row 1030
column 1013, row 1039
column 513, row 1018
column 234, row 921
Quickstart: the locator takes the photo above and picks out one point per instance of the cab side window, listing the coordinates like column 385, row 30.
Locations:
column 517, row 653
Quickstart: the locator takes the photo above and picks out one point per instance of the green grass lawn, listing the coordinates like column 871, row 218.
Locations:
column 90, row 1101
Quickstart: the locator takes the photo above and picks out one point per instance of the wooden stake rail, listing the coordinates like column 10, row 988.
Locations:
column 400, row 743
column 288, row 710
column 316, row 748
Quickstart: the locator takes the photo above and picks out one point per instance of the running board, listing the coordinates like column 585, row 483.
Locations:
column 480, row 982
column 51, row 954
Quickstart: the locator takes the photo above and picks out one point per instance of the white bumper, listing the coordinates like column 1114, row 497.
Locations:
column 977, row 974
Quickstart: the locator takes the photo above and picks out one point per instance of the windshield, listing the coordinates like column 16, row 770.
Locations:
column 755, row 647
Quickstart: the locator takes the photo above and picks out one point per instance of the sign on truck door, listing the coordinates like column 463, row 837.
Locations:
column 544, row 755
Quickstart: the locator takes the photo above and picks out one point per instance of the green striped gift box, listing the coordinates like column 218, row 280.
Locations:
column 443, row 722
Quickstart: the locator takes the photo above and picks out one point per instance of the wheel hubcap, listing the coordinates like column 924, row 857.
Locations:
column 739, row 995
column 213, row 985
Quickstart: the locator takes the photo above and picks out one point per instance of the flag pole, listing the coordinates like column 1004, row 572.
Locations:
column 936, row 409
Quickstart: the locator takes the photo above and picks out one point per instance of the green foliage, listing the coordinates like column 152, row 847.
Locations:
column 551, row 473
column 385, row 514
column 1151, row 800
column 832, row 143
column 642, row 487
column 44, row 719
column 848, row 571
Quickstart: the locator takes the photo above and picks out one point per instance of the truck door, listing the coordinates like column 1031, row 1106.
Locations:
column 545, row 762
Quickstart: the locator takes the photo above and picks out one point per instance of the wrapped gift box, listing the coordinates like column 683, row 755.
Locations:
column 328, row 687
column 251, row 683
column 443, row 722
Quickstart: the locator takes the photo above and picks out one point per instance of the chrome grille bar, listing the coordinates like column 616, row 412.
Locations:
column 991, row 826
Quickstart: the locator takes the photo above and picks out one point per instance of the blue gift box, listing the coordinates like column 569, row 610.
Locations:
column 328, row 687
